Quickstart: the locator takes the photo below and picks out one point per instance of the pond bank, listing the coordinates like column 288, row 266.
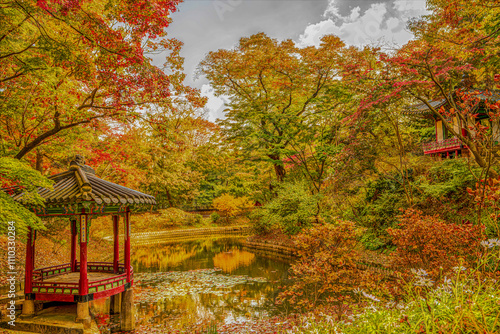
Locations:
column 145, row 238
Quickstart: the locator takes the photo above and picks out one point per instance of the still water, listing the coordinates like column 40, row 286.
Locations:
column 188, row 285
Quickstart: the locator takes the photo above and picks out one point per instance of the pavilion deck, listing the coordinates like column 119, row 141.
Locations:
column 75, row 277
column 63, row 283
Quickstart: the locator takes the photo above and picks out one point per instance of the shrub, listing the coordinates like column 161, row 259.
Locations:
column 293, row 209
column 166, row 218
column 428, row 243
column 260, row 223
column 371, row 241
column 487, row 195
column 214, row 217
column 173, row 217
column 326, row 271
column 198, row 219
column 465, row 303
column 230, row 206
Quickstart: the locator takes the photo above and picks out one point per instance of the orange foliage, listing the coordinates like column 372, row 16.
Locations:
column 327, row 270
column 426, row 242
column 487, row 196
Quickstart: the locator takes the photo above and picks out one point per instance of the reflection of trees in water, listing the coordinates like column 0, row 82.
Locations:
column 165, row 257
column 180, row 310
column 233, row 259
column 244, row 301
column 172, row 255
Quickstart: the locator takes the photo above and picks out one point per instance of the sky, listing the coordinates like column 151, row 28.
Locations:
column 210, row 25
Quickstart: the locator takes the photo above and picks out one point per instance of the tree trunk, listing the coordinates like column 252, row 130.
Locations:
column 278, row 168
column 39, row 161
column 169, row 198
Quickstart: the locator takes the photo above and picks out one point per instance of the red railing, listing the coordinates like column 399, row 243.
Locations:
column 102, row 267
column 39, row 286
column 40, row 274
column 442, row 145
column 54, row 285
column 111, row 280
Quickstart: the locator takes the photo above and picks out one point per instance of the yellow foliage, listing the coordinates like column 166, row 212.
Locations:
column 230, row 206
column 230, row 261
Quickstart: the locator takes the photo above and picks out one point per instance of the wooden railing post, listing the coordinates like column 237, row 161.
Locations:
column 116, row 240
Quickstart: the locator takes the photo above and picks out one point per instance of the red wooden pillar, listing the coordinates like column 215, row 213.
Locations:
column 127, row 244
column 73, row 245
column 116, row 240
column 84, row 282
column 28, row 272
column 33, row 251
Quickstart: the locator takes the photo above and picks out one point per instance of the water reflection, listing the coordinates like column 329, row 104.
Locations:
column 232, row 260
column 179, row 286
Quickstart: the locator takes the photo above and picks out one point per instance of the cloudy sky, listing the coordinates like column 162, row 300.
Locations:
column 209, row 25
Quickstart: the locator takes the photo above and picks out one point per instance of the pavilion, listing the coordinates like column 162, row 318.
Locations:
column 78, row 194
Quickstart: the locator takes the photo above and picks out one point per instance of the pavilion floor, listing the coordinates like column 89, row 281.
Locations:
column 75, row 277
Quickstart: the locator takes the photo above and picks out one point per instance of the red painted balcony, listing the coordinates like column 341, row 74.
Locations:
column 60, row 283
column 450, row 144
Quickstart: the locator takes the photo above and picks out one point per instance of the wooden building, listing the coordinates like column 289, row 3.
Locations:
column 446, row 145
column 79, row 195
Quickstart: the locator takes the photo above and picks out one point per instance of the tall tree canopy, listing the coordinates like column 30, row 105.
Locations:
column 68, row 65
column 277, row 92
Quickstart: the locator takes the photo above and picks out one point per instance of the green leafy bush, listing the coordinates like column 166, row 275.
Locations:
column 371, row 241
column 448, row 178
column 293, row 209
column 214, row 217
column 260, row 223
column 198, row 219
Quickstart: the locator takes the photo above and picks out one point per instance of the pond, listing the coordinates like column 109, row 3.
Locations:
column 182, row 286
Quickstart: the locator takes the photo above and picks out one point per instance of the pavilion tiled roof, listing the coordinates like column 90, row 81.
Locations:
column 80, row 184
column 422, row 109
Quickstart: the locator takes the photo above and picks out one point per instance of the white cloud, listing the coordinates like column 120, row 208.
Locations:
column 215, row 105
column 381, row 22
column 354, row 14
column 332, row 11
column 410, row 7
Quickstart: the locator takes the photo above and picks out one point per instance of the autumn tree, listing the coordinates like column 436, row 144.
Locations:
column 68, row 65
column 174, row 140
column 276, row 90
column 72, row 63
column 451, row 69
column 17, row 174
column 230, row 206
